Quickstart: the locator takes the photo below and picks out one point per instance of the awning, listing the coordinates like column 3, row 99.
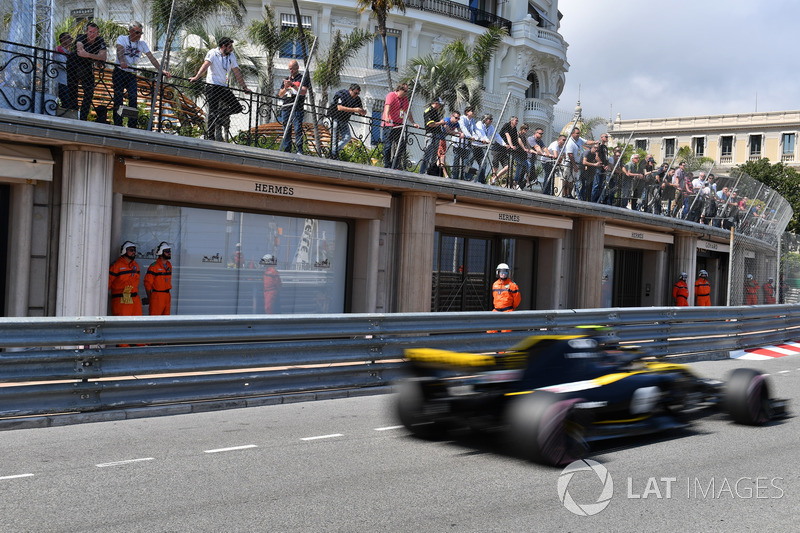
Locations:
column 287, row 19
column 21, row 162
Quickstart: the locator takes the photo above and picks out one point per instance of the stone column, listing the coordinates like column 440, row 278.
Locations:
column 415, row 232
column 19, row 249
column 685, row 261
column 85, row 232
column 589, row 242
column 365, row 269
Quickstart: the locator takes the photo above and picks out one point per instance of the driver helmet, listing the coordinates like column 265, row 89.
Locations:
column 125, row 246
column 770, row 280
column 267, row 259
column 703, row 274
column 684, row 276
column 502, row 270
column 749, row 276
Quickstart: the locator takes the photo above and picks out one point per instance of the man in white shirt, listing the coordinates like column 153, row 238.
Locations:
column 549, row 161
column 130, row 48
column 463, row 155
column 486, row 134
column 575, row 146
column 219, row 62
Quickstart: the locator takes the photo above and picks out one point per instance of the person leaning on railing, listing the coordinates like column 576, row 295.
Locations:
column 346, row 102
column 395, row 108
column 130, row 48
column 221, row 101
column 89, row 48
column 63, row 51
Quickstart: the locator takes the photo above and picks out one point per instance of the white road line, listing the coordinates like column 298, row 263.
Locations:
column 231, row 449
column 387, row 428
column 323, row 436
column 125, row 462
column 15, row 477
column 784, row 371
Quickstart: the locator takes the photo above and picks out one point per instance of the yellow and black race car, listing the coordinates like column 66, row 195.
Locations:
column 554, row 394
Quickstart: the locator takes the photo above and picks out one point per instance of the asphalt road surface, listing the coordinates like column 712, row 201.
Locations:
column 345, row 465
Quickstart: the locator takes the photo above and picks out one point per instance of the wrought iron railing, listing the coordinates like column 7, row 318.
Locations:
column 461, row 12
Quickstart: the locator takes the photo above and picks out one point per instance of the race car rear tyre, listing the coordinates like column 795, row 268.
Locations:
column 543, row 427
column 747, row 397
column 411, row 411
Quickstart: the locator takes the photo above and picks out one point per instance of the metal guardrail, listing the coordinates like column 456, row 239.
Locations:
column 56, row 365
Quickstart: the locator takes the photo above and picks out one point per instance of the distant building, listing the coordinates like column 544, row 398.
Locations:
column 729, row 140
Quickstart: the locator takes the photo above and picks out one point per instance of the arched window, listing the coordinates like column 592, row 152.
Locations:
column 533, row 88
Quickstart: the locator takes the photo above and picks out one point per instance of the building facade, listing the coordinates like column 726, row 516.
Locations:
column 530, row 63
column 729, row 140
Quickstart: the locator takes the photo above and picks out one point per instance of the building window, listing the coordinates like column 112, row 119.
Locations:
column 755, row 148
column 293, row 49
column 787, row 146
column 641, row 144
column 726, row 145
column 533, row 88
column 669, row 148
column 392, row 43
column 217, row 254
column 375, row 128
column 699, row 146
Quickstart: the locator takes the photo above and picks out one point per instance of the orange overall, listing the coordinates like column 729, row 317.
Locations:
column 272, row 285
column 769, row 293
column 751, row 292
column 123, row 282
column 506, row 298
column 680, row 292
column 158, row 283
column 702, row 292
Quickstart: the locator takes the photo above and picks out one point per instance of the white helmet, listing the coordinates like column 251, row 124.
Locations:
column 703, row 274
column 749, row 276
column 164, row 246
column 684, row 275
column 125, row 246
column 267, row 259
column 501, row 269
column 770, row 280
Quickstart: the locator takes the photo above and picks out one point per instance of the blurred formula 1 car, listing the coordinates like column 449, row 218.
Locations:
column 555, row 394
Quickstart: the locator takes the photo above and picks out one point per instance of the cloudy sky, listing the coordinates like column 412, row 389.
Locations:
column 652, row 59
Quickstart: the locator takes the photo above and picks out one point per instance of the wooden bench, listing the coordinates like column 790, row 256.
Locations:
column 275, row 129
column 177, row 106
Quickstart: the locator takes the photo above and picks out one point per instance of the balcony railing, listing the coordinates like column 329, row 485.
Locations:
column 726, row 159
column 461, row 12
column 787, row 158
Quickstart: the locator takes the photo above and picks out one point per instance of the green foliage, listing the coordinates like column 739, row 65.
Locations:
column 356, row 152
column 331, row 62
column 781, row 178
column 456, row 75
column 270, row 36
column 380, row 9
column 693, row 163
column 109, row 30
column 192, row 56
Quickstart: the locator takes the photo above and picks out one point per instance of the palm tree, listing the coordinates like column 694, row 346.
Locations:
column 331, row 63
column 192, row 57
column 271, row 37
column 456, row 75
column 181, row 14
column 381, row 9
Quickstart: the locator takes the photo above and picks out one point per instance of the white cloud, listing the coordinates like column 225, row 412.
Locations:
column 662, row 59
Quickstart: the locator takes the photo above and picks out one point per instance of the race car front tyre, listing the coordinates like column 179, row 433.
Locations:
column 411, row 410
column 544, row 428
column 747, row 397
